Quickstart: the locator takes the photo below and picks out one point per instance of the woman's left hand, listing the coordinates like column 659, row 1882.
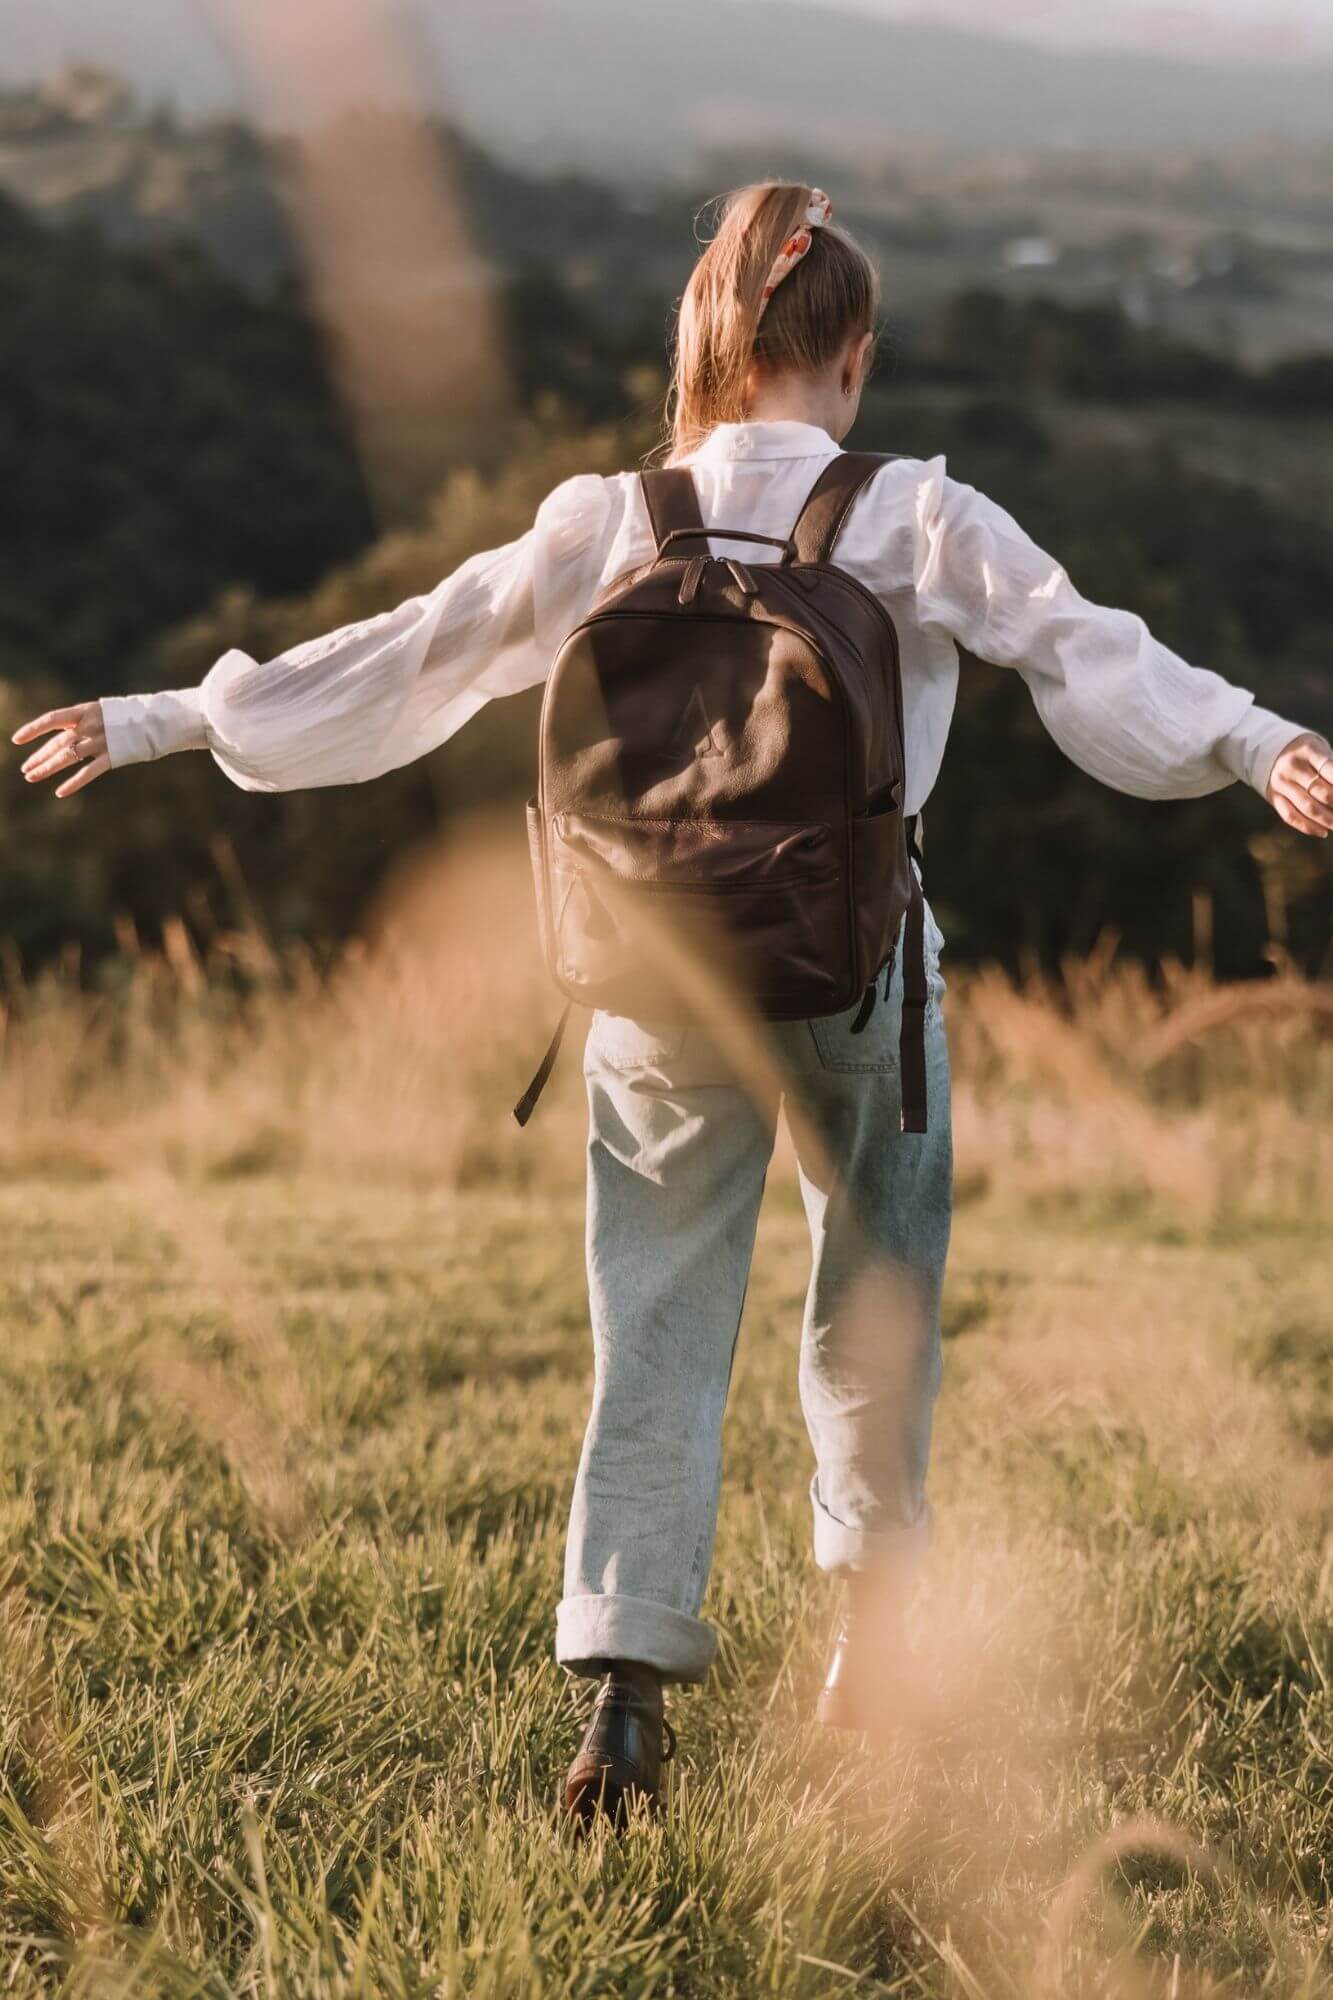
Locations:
column 1300, row 787
column 79, row 740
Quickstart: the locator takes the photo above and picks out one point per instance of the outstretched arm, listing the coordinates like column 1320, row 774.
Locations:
column 1123, row 706
column 372, row 696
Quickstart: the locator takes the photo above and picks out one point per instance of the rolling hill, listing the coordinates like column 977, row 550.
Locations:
column 620, row 84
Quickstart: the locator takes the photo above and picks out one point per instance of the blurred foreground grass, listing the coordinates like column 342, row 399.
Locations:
column 295, row 1366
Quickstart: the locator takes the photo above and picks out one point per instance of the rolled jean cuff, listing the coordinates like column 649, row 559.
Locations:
column 839, row 1546
column 592, row 1628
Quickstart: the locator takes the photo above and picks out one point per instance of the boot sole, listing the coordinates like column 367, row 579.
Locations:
column 606, row 1791
column 834, row 1710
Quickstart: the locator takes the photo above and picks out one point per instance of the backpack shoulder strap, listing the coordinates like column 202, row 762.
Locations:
column 672, row 502
column 829, row 502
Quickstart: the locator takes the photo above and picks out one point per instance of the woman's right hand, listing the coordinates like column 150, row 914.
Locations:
column 1300, row 789
column 78, row 745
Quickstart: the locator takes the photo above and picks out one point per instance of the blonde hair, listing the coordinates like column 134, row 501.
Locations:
column 831, row 296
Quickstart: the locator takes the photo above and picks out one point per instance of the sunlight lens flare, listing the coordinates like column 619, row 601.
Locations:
column 407, row 305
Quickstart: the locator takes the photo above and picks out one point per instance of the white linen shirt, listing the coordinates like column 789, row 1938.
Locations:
column 950, row 566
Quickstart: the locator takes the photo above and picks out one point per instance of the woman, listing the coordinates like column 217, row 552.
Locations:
column 775, row 338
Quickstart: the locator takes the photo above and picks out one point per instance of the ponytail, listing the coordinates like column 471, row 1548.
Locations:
column 727, row 323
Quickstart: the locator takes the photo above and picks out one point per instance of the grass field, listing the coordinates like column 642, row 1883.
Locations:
column 294, row 1370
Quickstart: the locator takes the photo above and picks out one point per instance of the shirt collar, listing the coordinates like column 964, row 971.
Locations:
column 777, row 438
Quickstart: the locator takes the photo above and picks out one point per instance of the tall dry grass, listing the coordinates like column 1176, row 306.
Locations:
column 400, row 1057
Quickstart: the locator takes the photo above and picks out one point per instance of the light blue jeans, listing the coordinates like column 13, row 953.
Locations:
column 677, row 1154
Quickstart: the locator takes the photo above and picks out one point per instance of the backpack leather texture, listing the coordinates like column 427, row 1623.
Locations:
column 722, row 768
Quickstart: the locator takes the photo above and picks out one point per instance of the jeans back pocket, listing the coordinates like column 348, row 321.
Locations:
column 874, row 1051
column 621, row 1043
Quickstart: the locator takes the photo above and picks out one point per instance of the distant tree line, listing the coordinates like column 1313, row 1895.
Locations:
column 1095, row 352
column 162, row 436
column 176, row 476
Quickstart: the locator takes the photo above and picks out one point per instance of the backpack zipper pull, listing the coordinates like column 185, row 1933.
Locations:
column 745, row 583
column 693, row 577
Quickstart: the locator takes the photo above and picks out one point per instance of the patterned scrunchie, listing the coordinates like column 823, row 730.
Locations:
column 819, row 212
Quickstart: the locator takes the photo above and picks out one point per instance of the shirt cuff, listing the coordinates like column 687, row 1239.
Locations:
column 141, row 727
column 1250, row 750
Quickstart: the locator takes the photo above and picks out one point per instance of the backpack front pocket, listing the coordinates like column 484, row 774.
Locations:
column 639, row 906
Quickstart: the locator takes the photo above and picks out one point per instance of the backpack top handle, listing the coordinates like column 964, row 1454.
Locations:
column 673, row 508
column 725, row 535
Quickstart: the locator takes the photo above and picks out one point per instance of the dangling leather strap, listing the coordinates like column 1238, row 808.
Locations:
column 829, row 502
column 866, row 1008
column 527, row 1104
column 916, row 992
column 673, row 504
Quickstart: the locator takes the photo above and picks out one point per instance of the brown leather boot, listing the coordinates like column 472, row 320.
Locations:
column 841, row 1703
column 865, row 1681
column 624, row 1747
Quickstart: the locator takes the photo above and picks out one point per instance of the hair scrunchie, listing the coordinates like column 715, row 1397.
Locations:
column 817, row 214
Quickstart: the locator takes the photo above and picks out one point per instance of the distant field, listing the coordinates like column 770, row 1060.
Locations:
column 287, row 1432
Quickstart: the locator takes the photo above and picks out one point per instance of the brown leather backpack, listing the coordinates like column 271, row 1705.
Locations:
column 722, row 760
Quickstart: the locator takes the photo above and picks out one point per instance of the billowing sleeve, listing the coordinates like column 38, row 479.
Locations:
column 375, row 695
column 1123, row 706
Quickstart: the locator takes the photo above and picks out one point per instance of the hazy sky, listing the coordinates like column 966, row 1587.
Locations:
column 168, row 43
column 1280, row 29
